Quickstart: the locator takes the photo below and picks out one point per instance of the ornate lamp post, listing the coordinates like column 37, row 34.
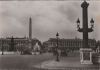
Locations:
column 2, row 47
column 57, row 58
column 85, row 51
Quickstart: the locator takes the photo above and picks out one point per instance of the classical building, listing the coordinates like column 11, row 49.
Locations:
column 72, row 44
column 18, row 43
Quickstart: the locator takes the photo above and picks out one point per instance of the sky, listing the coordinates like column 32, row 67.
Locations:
column 48, row 18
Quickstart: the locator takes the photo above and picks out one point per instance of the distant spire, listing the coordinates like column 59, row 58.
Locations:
column 30, row 28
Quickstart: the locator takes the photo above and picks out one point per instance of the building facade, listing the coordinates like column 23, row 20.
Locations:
column 18, row 43
column 71, row 44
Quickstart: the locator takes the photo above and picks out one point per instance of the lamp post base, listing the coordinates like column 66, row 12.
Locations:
column 57, row 60
column 86, row 56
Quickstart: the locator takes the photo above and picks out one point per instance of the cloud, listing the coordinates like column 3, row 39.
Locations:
column 48, row 18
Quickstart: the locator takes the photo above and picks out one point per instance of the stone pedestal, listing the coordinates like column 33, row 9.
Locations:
column 86, row 56
column 96, row 58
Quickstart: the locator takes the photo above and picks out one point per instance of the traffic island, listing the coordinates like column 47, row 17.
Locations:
column 67, row 63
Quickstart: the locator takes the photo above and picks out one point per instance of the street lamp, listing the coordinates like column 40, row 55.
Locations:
column 78, row 23
column 57, row 58
column 92, row 23
column 2, row 47
column 85, row 50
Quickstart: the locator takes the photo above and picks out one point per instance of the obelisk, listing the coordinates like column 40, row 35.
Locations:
column 30, row 33
column 30, row 28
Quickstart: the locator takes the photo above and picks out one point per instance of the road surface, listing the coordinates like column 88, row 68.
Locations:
column 23, row 61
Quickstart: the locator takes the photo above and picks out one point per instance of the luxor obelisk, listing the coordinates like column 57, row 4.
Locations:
column 30, row 33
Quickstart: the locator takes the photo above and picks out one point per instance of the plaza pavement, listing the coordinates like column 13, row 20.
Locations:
column 65, row 63
column 44, row 61
column 22, row 62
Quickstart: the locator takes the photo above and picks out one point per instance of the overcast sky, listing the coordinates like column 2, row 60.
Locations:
column 48, row 18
